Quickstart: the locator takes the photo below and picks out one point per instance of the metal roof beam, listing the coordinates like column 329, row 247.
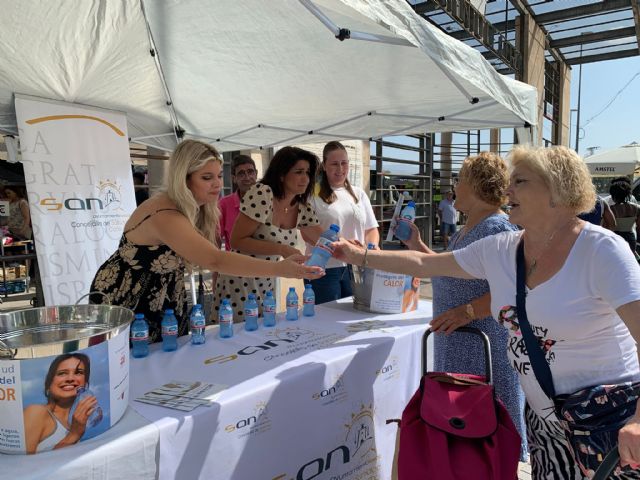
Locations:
column 583, row 11
column 631, row 52
column 593, row 37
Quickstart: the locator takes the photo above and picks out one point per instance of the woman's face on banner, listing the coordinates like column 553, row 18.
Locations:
column 70, row 375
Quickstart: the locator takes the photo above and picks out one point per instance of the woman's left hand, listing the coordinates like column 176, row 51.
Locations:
column 451, row 320
column 629, row 443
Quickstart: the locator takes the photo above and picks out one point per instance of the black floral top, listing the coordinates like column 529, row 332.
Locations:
column 146, row 279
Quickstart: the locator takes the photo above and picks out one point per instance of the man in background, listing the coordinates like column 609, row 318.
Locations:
column 244, row 176
column 448, row 218
column 142, row 193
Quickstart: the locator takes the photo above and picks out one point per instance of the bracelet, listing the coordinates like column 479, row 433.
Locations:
column 364, row 260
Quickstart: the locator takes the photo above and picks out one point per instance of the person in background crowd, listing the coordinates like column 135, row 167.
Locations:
column 448, row 217
column 271, row 214
column 243, row 176
column 19, row 221
column 600, row 215
column 626, row 214
column 173, row 229
column 480, row 192
column 583, row 300
column 142, row 193
column 348, row 207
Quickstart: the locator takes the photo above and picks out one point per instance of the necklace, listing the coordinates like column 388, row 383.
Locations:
column 534, row 262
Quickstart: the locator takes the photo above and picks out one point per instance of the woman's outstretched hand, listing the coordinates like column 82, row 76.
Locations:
column 294, row 267
column 350, row 251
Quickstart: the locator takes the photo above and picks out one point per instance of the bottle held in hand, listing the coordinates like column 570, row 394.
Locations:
column 407, row 216
column 322, row 251
column 96, row 416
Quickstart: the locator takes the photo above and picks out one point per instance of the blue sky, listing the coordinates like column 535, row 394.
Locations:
column 619, row 124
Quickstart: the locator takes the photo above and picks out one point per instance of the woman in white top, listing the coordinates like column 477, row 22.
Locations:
column 583, row 299
column 47, row 427
column 348, row 207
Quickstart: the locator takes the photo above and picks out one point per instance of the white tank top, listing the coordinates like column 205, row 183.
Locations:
column 56, row 436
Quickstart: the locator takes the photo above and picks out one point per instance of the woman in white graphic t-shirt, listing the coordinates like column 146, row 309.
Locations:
column 583, row 298
column 347, row 206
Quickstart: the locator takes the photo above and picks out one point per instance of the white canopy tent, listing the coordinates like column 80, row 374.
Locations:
column 252, row 73
column 615, row 163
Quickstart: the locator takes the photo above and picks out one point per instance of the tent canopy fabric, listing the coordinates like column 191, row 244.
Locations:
column 617, row 162
column 254, row 74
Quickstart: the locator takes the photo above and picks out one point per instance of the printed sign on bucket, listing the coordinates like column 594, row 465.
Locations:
column 53, row 402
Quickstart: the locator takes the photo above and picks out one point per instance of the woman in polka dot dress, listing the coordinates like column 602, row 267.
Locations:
column 271, row 213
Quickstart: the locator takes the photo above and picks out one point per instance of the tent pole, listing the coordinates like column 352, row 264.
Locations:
column 154, row 53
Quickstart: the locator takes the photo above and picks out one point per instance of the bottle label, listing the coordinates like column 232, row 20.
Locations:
column 198, row 322
column 309, row 301
column 292, row 304
column 325, row 244
column 226, row 319
column 140, row 335
column 269, row 308
column 250, row 312
column 170, row 330
column 406, row 219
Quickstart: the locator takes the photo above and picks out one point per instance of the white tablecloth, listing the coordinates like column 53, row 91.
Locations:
column 305, row 399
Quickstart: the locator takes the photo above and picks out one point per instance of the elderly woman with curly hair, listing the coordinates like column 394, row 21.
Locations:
column 480, row 192
column 581, row 296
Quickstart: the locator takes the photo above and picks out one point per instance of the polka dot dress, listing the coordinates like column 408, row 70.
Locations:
column 257, row 204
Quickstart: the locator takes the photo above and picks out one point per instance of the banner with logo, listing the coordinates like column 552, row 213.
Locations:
column 78, row 177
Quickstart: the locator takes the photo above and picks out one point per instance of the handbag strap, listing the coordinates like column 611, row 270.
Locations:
column 536, row 355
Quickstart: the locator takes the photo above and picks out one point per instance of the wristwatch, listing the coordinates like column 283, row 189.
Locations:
column 471, row 314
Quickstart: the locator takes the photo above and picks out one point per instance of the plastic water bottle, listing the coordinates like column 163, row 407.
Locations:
column 269, row 310
column 407, row 216
column 198, row 324
column 251, row 313
column 226, row 319
column 96, row 416
column 309, row 301
column 169, row 327
column 292, row 304
column 322, row 252
column 139, row 337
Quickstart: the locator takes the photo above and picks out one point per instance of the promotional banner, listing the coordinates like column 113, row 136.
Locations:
column 50, row 402
column 78, row 177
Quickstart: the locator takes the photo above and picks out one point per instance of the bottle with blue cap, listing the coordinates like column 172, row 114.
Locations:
column 198, row 324
column 226, row 319
column 292, row 304
column 406, row 218
column 269, row 310
column 322, row 251
column 169, row 326
column 309, row 301
column 139, row 336
column 251, row 313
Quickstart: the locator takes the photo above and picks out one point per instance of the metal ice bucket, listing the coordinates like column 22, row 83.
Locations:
column 44, row 351
column 380, row 292
column 361, row 286
column 45, row 331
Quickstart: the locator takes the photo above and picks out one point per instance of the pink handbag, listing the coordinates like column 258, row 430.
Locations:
column 454, row 428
